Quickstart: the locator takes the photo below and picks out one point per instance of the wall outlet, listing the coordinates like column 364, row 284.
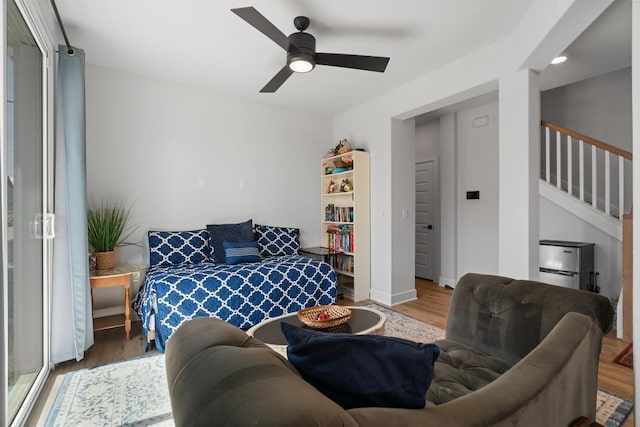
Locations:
column 135, row 276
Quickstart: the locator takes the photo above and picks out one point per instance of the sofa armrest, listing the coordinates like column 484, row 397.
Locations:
column 218, row 375
column 553, row 385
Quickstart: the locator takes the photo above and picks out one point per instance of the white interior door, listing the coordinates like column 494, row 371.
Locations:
column 425, row 234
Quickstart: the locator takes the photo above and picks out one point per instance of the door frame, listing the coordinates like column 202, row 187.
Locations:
column 31, row 13
column 436, row 214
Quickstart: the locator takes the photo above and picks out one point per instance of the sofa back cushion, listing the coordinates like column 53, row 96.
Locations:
column 507, row 318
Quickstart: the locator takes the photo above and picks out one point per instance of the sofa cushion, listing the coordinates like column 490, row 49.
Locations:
column 362, row 370
column 460, row 370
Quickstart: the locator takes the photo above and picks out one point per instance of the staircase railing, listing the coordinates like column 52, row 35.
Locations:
column 575, row 163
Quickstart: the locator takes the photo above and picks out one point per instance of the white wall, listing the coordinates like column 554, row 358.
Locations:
column 635, row 94
column 599, row 107
column 152, row 142
column 427, row 140
column 448, row 167
column 477, row 171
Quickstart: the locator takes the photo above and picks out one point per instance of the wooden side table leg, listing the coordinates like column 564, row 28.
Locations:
column 127, row 313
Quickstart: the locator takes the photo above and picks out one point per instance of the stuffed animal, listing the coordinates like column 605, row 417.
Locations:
column 344, row 146
column 346, row 186
column 332, row 187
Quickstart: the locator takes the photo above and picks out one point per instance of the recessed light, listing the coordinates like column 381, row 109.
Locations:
column 558, row 59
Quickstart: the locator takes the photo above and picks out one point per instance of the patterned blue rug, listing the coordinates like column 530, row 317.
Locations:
column 134, row 392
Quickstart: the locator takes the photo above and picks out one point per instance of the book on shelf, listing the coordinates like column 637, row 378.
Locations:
column 346, row 291
column 342, row 263
column 340, row 240
column 338, row 213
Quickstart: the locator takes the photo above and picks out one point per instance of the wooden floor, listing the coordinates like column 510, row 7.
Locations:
column 431, row 307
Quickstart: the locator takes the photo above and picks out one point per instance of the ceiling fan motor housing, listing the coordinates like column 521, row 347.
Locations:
column 306, row 44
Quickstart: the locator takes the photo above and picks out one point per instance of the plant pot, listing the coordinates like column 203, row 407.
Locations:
column 105, row 260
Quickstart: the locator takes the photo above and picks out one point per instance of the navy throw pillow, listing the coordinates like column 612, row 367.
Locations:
column 218, row 233
column 237, row 253
column 363, row 370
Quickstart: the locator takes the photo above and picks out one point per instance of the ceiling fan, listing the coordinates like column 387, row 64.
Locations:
column 301, row 49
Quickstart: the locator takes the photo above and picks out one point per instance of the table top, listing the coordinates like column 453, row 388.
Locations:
column 118, row 270
column 363, row 321
column 319, row 250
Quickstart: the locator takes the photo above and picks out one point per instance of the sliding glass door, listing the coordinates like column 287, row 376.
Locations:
column 24, row 206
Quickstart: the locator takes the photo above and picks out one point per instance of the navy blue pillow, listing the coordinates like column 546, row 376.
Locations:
column 237, row 253
column 218, row 233
column 363, row 370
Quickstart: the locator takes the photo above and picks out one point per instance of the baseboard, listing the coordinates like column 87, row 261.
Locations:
column 393, row 299
column 379, row 296
column 402, row 297
column 446, row 282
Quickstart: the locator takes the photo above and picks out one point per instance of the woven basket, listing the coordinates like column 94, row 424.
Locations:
column 337, row 316
column 105, row 260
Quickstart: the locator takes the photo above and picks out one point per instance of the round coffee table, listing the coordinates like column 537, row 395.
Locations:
column 363, row 321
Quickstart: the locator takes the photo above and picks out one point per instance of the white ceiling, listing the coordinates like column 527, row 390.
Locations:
column 203, row 44
column 603, row 47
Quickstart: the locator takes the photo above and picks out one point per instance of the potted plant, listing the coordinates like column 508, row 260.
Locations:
column 106, row 223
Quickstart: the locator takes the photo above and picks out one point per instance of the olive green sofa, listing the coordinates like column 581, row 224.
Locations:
column 516, row 353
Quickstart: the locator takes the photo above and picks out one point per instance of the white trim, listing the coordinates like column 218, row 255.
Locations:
column 406, row 296
column 445, row 281
column 607, row 224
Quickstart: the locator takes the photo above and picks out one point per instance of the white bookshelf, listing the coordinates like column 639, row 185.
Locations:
column 345, row 222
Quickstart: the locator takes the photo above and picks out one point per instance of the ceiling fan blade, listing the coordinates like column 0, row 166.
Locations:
column 262, row 24
column 277, row 80
column 360, row 62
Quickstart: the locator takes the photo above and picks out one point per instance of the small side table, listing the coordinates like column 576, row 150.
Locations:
column 118, row 276
column 319, row 252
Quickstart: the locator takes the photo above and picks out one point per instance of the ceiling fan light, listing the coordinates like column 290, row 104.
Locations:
column 301, row 65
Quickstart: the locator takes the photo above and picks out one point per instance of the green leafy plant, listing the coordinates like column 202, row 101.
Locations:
column 106, row 223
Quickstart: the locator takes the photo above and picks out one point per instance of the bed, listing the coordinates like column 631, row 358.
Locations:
column 241, row 293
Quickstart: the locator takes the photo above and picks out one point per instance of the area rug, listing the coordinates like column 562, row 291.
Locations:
column 134, row 392
column 625, row 358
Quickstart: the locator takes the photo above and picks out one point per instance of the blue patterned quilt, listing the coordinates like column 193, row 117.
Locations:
column 242, row 294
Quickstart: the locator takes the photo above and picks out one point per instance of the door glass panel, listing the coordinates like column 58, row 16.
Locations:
column 24, row 181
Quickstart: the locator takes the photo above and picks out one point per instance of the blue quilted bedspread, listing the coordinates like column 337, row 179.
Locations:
column 243, row 294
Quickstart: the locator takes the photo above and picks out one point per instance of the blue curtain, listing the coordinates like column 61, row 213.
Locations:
column 71, row 323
